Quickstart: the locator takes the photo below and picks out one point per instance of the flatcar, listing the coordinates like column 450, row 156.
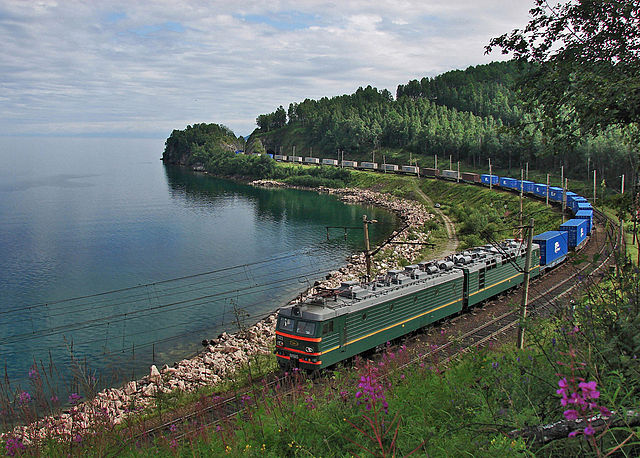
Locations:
column 368, row 165
column 489, row 179
column 429, row 172
column 576, row 230
column 553, row 248
column 340, row 323
column 449, row 175
column 412, row 169
column 469, row 177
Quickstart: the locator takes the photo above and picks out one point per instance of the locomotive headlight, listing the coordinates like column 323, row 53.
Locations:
column 280, row 342
column 308, row 350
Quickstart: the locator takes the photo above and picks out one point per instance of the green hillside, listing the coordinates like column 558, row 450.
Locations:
column 471, row 115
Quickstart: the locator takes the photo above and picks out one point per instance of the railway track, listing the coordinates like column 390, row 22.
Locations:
column 543, row 303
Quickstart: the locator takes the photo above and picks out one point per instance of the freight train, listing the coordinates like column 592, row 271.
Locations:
column 337, row 324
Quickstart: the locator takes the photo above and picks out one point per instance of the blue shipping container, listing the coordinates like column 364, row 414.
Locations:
column 485, row 179
column 583, row 206
column 540, row 189
column 575, row 201
column 586, row 215
column 506, row 182
column 553, row 247
column 528, row 186
column 555, row 193
column 577, row 230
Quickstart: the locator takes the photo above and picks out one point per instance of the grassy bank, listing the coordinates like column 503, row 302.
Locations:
column 579, row 363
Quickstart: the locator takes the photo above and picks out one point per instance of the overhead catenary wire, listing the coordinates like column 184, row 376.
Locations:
column 142, row 297
column 136, row 313
column 131, row 288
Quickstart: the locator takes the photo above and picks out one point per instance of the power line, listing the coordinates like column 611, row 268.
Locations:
column 131, row 288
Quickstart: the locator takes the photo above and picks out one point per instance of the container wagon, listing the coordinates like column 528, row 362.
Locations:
column 296, row 159
column 583, row 206
column 351, row 164
column 540, row 190
column 449, row 175
column 430, row 172
column 528, row 186
column 489, row 179
column 509, row 183
column 412, row 169
column 311, row 160
column 575, row 201
column 586, row 215
column 280, row 158
column 368, row 165
column 553, row 247
column 389, row 168
column 469, row 177
column 555, row 194
column 577, row 232
column 333, row 162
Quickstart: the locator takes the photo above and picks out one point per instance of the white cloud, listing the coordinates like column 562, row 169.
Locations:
column 120, row 66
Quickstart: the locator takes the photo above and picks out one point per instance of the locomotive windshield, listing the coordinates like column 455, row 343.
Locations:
column 286, row 324
column 306, row 328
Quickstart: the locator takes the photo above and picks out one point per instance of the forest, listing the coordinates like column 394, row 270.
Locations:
column 472, row 115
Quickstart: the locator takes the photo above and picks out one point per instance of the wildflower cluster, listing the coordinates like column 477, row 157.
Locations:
column 14, row 446
column 74, row 398
column 371, row 390
column 582, row 400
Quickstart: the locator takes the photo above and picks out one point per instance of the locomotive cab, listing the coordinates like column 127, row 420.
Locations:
column 298, row 338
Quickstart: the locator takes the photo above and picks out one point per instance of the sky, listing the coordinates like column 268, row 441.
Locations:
column 141, row 69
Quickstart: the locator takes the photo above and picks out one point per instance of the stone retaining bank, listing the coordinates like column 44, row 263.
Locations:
column 224, row 355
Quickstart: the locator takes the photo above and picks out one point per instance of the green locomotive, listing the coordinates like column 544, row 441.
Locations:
column 340, row 323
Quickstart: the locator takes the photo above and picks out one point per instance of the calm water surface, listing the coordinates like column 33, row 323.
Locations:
column 109, row 256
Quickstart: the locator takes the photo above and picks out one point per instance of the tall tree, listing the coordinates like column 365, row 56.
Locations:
column 587, row 56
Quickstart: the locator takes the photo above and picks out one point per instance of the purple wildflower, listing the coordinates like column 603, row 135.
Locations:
column 173, row 443
column 371, row 391
column 589, row 431
column 25, row 398
column 173, row 427
column 13, row 446
column 77, row 438
column 54, row 399
column 589, row 390
column 33, row 372
column 495, row 364
column 309, row 401
column 571, row 414
column 74, row 398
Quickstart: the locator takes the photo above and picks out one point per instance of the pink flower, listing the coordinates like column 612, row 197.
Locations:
column 571, row 414
column 589, row 390
column 589, row 431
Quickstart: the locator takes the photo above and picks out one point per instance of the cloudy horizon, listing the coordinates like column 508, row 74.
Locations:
column 142, row 69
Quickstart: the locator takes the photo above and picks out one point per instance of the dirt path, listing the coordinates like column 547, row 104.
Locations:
column 452, row 243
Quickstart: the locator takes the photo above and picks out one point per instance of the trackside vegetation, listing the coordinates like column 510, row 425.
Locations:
column 580, row 371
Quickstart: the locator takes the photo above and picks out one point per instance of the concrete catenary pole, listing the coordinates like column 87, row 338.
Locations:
column 525, row 286
column 547, row 189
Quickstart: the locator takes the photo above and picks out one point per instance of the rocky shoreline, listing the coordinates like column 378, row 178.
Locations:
column 220, row 359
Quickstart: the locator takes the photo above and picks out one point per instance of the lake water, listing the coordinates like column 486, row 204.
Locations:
column 114, row 261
